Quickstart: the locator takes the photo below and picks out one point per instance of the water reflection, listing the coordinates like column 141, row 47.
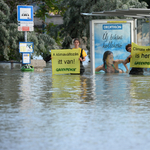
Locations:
column 140, row 87
column 105, row 111
column 139, row 93
column 9, row 88
column 26, row 91
column 73, row 88
column 111, row 86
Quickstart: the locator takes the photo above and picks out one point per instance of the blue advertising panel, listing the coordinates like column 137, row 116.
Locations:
column 26, row 47
column 25, row 13
column 26, row 58
column 110, row 36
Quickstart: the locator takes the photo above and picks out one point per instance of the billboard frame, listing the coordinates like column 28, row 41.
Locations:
column 26, row 43
column 29, row 58
column 92, row 40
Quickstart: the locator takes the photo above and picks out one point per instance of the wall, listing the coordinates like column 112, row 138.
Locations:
column 143, row 32
column 57, row 19
column 10, row 65
column 38, row 64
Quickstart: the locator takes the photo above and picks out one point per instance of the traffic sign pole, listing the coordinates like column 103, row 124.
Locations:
column 25, row 19
column 25, row 36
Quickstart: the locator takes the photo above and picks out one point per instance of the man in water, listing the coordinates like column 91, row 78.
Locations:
column 133, row 71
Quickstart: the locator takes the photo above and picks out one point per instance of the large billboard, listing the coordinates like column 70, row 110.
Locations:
column 110, row 35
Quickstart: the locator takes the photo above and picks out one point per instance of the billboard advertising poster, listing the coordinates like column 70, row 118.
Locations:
column 111, row 36
column 26, row 47
column 24, row 13
column 26, row 58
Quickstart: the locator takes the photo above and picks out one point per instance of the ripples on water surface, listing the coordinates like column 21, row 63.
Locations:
column 39, row 110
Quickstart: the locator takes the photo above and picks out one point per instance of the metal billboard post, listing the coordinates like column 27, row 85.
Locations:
column 149, row 31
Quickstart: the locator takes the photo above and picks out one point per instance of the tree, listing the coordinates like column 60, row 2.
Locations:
column 77, row 25
column 10, row 36
column 8, row 32
column 49, row 6
column 147, row 1
column 43, row 43
column 46, row 8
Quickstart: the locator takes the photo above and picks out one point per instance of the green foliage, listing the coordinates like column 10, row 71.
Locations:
column 9, row 39
column 43, row 43
column 147, row 1
column 12, row 4
column 44, row 11
column 46, row 44
column 49, row 6
column 54, row 31
column 4, row 11
column 10, row 36
column 77, row 26
column 125, row 4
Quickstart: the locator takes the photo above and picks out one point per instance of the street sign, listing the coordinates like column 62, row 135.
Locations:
column 24, row 13
column 26, row 58
column 26, row 47
column 25, row 18
column 25, row 28
column 25, row 23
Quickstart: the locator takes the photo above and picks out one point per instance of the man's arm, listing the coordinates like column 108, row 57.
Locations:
column 127, row 60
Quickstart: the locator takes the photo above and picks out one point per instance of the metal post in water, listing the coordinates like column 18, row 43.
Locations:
column 135, row 31
column 25, row 36
column 149, row 31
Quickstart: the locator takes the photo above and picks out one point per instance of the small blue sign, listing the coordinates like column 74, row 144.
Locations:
column 26, row 58
column 112, row 27
column 25, row 13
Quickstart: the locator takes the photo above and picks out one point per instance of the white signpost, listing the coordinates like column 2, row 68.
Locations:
column 25, row 26
column 25, row 23
column 25, row 18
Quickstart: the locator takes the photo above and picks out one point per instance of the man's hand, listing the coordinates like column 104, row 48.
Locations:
column 82, row 59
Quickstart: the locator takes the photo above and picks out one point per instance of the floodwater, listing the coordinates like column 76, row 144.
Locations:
column 41, row 111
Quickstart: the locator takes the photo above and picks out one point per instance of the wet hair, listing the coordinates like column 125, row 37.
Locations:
column 129, row 45
column 76, row 39
column 105, row 55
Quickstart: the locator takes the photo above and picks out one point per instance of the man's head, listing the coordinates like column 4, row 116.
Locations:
column 128, row 48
